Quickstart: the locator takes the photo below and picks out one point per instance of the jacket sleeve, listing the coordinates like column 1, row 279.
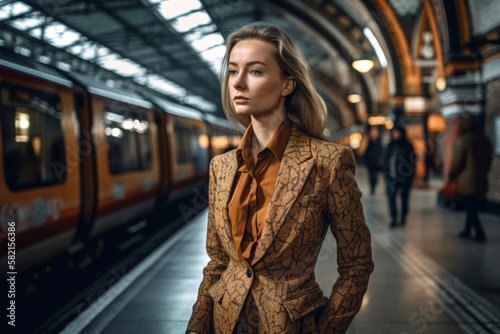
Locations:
column 458, row 160
column 354, row 255
column 201, row 318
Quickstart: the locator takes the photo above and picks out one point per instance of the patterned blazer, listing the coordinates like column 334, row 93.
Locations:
column 315, row 188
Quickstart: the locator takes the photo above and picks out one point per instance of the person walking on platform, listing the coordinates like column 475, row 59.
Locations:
column 399, row 169
column 272, row 199
column 472, row 157
column 373, row 157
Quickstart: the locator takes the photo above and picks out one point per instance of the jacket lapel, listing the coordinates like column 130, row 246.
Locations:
column 295, row 167
column 225, row 183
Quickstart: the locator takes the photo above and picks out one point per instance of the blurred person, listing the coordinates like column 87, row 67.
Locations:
column 374, row 157
column 399, row 170
column 471, row 162
column 267, row 198
column 429, row 162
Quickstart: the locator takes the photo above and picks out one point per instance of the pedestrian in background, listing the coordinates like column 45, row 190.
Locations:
column 472, row 156
column 374, row 157
column 399, row 169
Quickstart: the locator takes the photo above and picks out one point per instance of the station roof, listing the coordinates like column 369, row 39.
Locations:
column 175, row 47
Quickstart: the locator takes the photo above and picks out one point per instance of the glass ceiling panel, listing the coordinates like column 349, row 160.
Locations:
column 173, row 8
column 14, row 9
column 158, row 82
column 27, row 22
column 213, row 56
column 188, row 22
column 195, row 26
column 125, row 67
column 207, row 42
column 61, row 36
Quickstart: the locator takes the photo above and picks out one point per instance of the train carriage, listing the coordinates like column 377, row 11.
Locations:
column 40, row 183
column 81, row 160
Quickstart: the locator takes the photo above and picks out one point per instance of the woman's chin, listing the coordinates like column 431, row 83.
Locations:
column 244, row 111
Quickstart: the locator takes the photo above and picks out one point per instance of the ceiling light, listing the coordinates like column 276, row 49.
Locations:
column 440, row 84
column 354, row 98
column 362, row 65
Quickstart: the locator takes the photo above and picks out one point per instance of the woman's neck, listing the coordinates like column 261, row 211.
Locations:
column 264, row 129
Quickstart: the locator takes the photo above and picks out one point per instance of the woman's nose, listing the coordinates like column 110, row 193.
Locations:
column 239, row 82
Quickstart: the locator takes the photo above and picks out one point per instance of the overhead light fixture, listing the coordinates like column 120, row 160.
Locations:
column 355, row 140
column 363, row 65
column 440, row 84
column 354, row 98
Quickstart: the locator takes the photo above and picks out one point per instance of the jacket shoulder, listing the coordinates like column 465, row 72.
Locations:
column 223, row 158
column 328, row 150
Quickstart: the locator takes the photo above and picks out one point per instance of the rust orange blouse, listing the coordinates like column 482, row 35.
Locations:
column 254, row 186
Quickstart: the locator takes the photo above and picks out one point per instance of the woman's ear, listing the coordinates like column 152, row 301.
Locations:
column 289, row 87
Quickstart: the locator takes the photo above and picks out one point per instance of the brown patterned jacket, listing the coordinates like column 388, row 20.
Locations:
column 315, row 189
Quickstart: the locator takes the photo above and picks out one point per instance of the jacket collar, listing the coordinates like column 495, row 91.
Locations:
column 276, row 145
column 297, row 162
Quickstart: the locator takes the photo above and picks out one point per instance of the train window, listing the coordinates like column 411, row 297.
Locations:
column 191, row 145
column 129, row 140
column 32, row 137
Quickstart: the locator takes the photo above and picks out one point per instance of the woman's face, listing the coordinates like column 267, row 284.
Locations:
column 256, row 85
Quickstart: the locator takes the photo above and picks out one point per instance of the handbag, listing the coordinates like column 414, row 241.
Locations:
column 452, row 190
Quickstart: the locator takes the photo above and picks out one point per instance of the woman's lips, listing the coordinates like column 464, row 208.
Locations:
column 240, row 100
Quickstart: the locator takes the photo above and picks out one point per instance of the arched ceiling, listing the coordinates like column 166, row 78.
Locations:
column 331, row 33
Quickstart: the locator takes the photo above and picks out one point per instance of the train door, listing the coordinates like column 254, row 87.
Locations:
column 126, row 141
column 189, row 149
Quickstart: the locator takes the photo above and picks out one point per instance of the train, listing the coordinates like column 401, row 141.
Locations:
column 80, row 159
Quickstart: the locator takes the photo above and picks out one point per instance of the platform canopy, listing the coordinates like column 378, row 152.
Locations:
column 365, row 54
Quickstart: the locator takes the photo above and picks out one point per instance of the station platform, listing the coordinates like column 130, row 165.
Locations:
column 426, row 279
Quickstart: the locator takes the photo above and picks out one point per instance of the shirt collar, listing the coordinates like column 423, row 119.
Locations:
column 277, row 144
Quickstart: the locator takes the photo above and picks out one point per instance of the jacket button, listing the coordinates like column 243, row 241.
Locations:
column 249, row 273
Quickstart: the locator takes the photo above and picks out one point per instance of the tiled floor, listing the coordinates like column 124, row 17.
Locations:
column 421, row 281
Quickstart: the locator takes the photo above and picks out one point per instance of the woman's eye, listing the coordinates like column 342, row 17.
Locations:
column 232, row 72
column 255, row 72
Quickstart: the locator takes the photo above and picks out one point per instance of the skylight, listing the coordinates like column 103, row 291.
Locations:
column 174, row 8
column 207, row 42
column 14, row 9
column 61, row 36
column 194, row 24
column 28, row 22
column 188, row 22
column 159, row 83
column 376, row 46
column 122, row 66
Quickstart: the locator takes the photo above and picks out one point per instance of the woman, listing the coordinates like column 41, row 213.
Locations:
column 272, row 199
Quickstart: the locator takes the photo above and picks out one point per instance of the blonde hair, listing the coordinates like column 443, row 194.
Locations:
column 304, row 106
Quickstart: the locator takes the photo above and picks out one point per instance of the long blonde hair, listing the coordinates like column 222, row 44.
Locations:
column 304, row 106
